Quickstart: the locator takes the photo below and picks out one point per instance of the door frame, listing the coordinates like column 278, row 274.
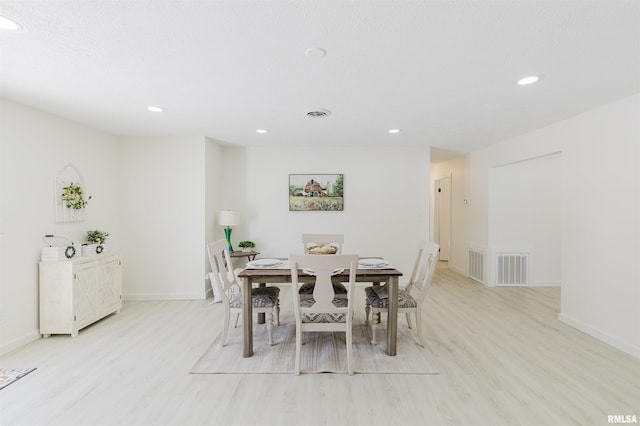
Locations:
column 446, row 254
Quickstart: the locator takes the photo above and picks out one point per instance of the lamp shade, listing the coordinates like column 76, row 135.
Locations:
column 228, row 218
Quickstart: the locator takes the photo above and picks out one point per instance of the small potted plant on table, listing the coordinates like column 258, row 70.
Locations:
column 95, row 240
column 246, row 246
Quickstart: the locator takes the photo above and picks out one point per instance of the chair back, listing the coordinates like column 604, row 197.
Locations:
column 323, row 268
column 222, row 269
column 311, row 240
column 423, row 269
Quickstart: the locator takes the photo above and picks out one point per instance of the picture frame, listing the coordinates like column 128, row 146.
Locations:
column 316, row 192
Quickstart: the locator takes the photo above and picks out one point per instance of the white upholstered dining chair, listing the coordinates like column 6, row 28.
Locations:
column 324, row 310
column 316, row 244
column 411, row 297
column 264, row 299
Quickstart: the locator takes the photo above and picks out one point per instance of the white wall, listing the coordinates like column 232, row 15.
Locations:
column 600, row 209
column 525, row 215
column 162, row 210
column 386, row 199
column 34, row 147
column 601, row 231
column 214, row 192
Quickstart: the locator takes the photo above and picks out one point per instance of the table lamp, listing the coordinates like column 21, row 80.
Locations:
column 228, row 218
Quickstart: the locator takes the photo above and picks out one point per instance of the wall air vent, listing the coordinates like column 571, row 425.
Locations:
column 318, row 113
column 512, row 269
column 476, row 265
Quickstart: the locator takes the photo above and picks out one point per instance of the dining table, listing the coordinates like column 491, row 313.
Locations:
column 281, row 274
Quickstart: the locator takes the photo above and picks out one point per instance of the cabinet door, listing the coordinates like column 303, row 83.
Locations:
column 110, row 285
column 85, row 303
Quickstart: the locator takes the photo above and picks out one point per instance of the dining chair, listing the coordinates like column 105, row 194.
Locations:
column 264, row 299
column 324, row 311
column 315, row 244
column 377, row 300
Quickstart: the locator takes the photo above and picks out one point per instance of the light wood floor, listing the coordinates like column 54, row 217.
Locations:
column 503, row 356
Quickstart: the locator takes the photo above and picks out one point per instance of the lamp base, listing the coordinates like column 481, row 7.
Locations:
column 227, row 235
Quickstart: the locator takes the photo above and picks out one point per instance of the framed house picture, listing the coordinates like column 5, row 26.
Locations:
column 316, row 192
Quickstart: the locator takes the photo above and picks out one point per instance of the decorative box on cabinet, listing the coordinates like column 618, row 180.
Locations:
column 77, row 292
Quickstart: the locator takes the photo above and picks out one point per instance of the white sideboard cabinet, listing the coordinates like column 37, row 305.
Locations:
column 77, row 292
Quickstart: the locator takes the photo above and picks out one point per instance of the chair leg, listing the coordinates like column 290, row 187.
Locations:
column 349, row 350
column 298, row 350
column 270, row 327
column 367, row 309
column 278, row 312
column 225, row 327
column 237, row 318
column 408, row 319
column 419, row 326
column 373, row 329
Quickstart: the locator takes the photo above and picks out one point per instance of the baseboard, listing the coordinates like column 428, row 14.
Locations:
column 19, row 342
column 545, row 283
column 594, row 332
column 148, row 297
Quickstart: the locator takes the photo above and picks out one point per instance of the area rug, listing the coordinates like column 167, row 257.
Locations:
column 10, row 375
column 321, row 352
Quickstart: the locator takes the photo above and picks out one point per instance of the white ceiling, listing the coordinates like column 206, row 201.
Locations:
column 444, row 72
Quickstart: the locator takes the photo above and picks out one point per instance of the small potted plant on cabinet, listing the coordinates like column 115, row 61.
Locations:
column 246, row 246
column 95, row 240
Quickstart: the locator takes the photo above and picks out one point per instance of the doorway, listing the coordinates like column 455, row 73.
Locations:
column 525, row 222
column 442, row 216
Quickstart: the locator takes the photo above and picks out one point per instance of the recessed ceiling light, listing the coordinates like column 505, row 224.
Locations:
column 261, row 131
column 528, row 80
column 393, row 131
column 154, row 109
column 315, row 52
column 9, row 24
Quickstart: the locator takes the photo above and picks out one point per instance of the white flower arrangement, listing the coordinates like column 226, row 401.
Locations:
column 73, row 196
column 97, row 237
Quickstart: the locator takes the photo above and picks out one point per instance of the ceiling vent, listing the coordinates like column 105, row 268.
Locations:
column 318, row 113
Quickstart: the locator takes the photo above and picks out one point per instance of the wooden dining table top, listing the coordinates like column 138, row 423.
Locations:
column 361, row 273
column 284, row 271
